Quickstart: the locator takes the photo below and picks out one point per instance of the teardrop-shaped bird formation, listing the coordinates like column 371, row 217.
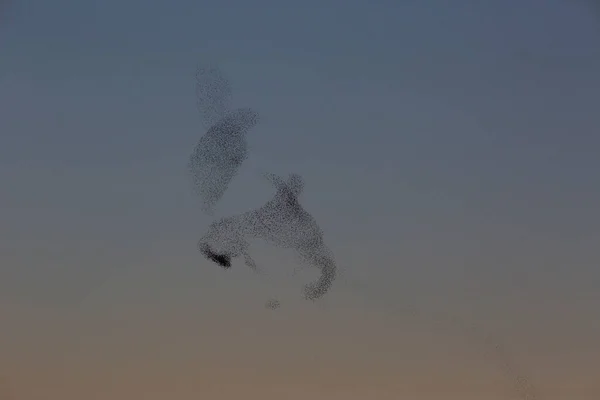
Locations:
column 220, row 152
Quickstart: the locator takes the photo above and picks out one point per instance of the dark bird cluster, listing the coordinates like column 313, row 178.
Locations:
column 224, row 260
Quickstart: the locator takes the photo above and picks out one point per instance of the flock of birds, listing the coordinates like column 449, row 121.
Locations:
column 282, row 221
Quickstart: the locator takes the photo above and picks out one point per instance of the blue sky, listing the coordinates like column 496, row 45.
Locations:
column 449, row 149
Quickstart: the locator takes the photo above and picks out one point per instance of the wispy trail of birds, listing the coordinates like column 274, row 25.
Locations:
column 213, row 94
column 490, row 346
column 282, row 221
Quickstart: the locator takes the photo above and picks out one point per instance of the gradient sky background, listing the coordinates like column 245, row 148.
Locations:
column 450, row 152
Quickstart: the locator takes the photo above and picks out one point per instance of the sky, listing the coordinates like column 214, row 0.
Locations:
column 449, row 155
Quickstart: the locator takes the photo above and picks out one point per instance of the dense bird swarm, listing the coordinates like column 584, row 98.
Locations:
column 216, row 160
column 282, row 222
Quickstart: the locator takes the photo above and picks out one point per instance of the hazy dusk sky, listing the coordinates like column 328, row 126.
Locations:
column 451, row 155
